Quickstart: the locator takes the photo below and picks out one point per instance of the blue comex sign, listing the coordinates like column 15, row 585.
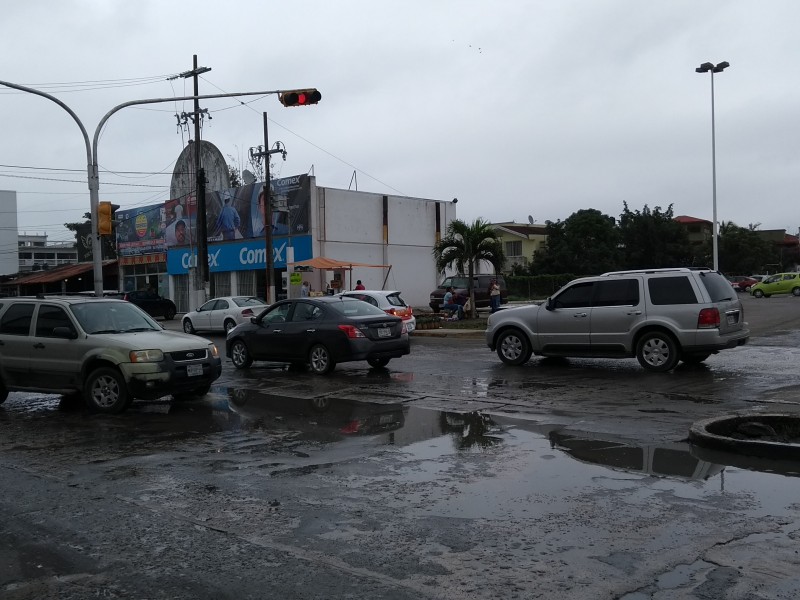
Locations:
column 240, row 256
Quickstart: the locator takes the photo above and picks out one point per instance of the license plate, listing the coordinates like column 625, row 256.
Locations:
column 384, row 332
column 733, row 319
column 386, row 419
column 194, row 370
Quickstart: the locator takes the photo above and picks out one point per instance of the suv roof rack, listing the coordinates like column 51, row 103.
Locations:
column 653, row 271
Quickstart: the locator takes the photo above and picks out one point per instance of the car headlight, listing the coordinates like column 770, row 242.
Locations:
column 212, row 348
column 143, row 356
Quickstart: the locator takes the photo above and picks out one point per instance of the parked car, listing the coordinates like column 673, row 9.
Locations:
column 319, row 332
column 109, row 351
column 223, row 314
column 480, row 283
column 780, row 283
column 388, row 301
column 742, row 283
column 659, row 316
column 153, row 304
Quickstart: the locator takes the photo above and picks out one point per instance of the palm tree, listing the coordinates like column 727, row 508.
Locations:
column 467, row 245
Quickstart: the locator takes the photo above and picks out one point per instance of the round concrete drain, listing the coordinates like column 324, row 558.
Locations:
column 765, row 435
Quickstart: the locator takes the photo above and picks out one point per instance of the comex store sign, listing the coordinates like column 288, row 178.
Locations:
column 240, row 256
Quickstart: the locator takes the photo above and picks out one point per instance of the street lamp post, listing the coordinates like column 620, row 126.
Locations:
column 708, row 67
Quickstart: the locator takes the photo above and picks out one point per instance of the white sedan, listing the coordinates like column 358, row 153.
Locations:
column 223, row 314
column 388, row 301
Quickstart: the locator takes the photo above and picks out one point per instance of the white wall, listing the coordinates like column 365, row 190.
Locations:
column 9, row 244
column 349, row 226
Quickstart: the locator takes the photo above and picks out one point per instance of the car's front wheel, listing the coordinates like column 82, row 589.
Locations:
column 513, row 347
column 240, row 355
column 105, row 391
column 320, row 360
column 657, row 351
column 377, row 363
column 187, row 326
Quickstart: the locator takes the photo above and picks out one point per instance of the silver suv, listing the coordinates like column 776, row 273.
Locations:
column 109, row 351
column 660, row 316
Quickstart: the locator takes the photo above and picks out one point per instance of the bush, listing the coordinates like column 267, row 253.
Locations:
column 536, row 287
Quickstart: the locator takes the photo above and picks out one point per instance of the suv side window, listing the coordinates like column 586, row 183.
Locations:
column 671, row 290
column 616, row 292
column 576, row 296
column 49, row 318
column 17, row 319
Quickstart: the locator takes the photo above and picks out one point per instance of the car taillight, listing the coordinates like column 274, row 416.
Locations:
column 247, row 312
column 351, row 427
column 390, row 311
column 708, row 318
column 351, row 332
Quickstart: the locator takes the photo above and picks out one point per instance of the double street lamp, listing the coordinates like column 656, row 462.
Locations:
column 708, row 67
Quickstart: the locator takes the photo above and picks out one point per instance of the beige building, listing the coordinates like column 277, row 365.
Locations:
column 520, row 242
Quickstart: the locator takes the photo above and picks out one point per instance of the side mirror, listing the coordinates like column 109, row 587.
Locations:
column 67, row 333
column 549, row 305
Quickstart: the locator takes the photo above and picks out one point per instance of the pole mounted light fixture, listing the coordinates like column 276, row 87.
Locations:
column 708, row 67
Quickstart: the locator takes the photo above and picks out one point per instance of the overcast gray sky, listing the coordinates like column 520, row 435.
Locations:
column 537, row 108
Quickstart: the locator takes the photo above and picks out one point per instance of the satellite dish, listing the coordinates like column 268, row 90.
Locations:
column 530, row 219
column 248, row 177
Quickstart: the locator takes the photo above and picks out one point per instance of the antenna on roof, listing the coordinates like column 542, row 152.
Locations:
column 530, row 219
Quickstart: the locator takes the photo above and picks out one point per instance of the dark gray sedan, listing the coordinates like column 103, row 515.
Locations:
column 319, row 332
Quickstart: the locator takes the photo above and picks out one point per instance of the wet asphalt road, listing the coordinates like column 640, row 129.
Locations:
column 448, row 475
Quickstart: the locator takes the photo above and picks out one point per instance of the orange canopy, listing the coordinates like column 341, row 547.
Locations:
column 321, row 262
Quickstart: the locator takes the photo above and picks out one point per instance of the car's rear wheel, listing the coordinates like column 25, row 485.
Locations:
column 796, row 291
column 3, row 393
column 657, row 351
column 513, row 347
column 169, row 314
column 105, row 391
column 758, row 294
column 378, row 363
column 188, row 327
column 240, row 355
column 320, row 360
column 229, row 324
column 694, row 358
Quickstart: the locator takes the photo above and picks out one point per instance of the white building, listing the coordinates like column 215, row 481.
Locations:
column 394, row 234
column 9, row 254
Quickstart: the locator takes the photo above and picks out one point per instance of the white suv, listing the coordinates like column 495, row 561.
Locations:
column 110, row 351
column 660, row 316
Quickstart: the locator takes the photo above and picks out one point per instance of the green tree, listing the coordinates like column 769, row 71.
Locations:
column 586, row 243
column 742, row 250
column 464, row 246
column 652, row 239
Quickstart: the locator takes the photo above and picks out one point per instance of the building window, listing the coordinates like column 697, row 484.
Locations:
column 514, row 248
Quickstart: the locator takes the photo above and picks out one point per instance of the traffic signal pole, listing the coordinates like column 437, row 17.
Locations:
column 91, row 154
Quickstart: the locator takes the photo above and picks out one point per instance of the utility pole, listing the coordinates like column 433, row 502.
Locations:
column 202, row 283
column 270, row 259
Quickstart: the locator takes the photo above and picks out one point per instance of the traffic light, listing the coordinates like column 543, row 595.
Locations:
column 104, row 217
column 300, row 97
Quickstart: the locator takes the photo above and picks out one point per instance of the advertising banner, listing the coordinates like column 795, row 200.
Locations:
column 244, row 255
column 180, row 227
column 141, row 230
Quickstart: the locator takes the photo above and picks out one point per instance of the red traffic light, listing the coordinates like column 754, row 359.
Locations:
column 300, row 97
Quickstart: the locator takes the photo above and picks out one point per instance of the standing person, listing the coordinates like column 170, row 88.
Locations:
column 359, row 285
column 494, row 295
column 228, row 221
column 304, row 290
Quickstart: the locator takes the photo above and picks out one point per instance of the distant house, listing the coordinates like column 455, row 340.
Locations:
column 699, row 231
column 520, row 242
